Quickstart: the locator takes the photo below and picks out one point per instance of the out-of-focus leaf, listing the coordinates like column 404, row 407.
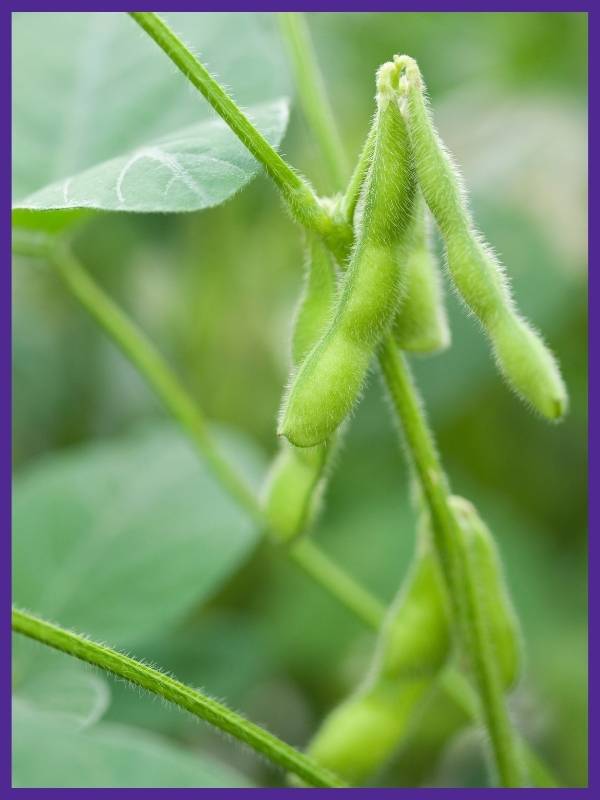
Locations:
column 119, row 539
column 102, row 120
column 47, row 752
column 52, row 683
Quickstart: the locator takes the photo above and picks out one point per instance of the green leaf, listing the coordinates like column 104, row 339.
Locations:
column 101, row 120
column 194, row 168
column 48, row 752
column 120, row 539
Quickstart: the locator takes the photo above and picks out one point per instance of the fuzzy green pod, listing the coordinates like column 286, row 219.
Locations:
column 293, row 489
column 415, row 639
column 525, row 362
column 313, row 312
column 486, row 567
column 297, row 478
column 329, row 380
column 421, row 325
column 361, row 734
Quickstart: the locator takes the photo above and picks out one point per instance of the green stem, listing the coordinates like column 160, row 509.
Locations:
column 296, row 191
column 458, row 688
column 313, row 95
column 460, row 582
column 202, row 706
column 151, row 365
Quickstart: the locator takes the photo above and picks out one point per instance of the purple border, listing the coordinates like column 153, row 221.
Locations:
column 319, row 5
column 5, row 323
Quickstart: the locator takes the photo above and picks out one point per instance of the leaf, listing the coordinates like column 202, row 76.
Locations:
column 102, row 120
column 195, row 168
column 120, row 539
column 50, row 682
column 47, row 752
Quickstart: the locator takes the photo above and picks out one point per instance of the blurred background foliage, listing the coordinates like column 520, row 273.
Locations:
column 216, row 291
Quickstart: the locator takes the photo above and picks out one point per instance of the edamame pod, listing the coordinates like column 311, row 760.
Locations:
column 486, row 568
column 294, row 488
column 524, row 360
column 361, row 734
column 316, row 301
column 297, row 478
column 414, row 646
column 330, row 378
column 415, row 638
column 421, row 325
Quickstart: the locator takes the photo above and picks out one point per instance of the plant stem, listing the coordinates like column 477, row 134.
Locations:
column 151, row 365
column 460, row 581
column 202, row 706
column 317, row 109
column 296, row 191
column 313, row 95
column 457, row 687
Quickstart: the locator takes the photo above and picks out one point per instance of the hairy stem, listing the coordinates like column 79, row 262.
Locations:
column 198, row 704
column 456, row 686
column 295, row 190
column 460, row 582
column 313, row 95
column 182, row 407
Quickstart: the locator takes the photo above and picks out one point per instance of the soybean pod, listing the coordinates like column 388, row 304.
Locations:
column 314, row 309
column 528, row 366
column 487, row 573
column 330, row 378
column 413, row 650
column 421, row 325
column 297, row 478
column 360, row 735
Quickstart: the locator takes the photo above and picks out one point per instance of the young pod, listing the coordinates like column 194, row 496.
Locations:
column 330, row 378
column 314, row 309
column 361, row 734
column 525, row 362
column 421, row 325
column 486, row 569
column 297, row 478
column 294, row 488
column 415, row 639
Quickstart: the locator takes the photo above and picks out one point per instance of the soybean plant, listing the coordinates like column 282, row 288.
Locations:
column 371, row 293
